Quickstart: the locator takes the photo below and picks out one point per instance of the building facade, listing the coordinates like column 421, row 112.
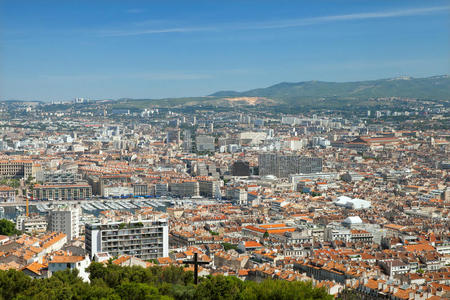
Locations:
column 66, row 220
column 283, row 165
column 187, row 188
column 77, row 191
column 145, row 239
column 209, row 188
column 16, row 168
column 7, row 194
column 205, row 143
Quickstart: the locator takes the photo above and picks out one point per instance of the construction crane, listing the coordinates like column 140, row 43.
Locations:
column 27, row 211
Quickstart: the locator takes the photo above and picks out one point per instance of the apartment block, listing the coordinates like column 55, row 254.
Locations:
column 205, row 143
column 16, row 168
column 209, row 188
column 78, row 191
column 283, row 165
column 145, row 239
column 187, row 188
column 66, row 220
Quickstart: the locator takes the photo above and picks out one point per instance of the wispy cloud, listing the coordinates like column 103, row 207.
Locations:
column 345, row 17
column 132, row 32
column 279, row 24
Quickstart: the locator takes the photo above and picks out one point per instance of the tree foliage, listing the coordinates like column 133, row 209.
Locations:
column 8, row 228
column 135, row 283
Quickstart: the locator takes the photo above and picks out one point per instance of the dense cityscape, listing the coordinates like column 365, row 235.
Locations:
column 224, row 150
column 349, row 203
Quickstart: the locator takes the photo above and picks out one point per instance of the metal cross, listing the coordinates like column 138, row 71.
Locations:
column 195, row 262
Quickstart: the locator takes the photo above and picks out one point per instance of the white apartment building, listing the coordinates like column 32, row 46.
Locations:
column 33, row 223
column 145, row 239
column 66, row 219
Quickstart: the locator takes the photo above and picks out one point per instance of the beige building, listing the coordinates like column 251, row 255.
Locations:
column 76, row 191
column 16, row 168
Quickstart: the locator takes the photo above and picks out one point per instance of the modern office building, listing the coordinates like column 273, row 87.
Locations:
column 282, row 165
column 65, row 219
column 145, row 239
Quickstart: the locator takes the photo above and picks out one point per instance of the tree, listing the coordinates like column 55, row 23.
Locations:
column 228, row 246
column 136, row 291
column 114, row 282
column 8, row 228
column 266, row 234
column 219, row 287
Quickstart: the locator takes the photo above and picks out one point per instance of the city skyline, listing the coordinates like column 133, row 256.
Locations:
column 176, row 49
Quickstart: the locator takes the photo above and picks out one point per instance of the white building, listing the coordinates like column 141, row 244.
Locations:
column 252, row 137
column 350, row 203
column 66, row 219
column 63, row 262
column 33, row 223
column 145, row 239
column 332, row 234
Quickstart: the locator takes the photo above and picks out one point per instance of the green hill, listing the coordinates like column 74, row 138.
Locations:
column 431, row 88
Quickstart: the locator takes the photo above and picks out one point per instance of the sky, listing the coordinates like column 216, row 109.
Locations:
column 60, row 50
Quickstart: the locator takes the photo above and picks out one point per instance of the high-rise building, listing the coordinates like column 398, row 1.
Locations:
column 65, row 219
column 205, row 143
column 187, row 141
column 145, row 239
column 240, row 168
column 282, row 165
column 173, row 136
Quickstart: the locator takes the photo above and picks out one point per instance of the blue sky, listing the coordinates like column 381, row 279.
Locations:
column 59, row 50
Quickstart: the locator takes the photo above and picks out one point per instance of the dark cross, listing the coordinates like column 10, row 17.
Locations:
column 195, row 262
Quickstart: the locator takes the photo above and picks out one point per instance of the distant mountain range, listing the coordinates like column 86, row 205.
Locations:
column 431, row 88
column 310, row 94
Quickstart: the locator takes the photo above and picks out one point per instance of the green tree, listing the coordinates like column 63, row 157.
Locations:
column 219, row 287
column 228, row 246
column 8, row 228
column 135, row 283
column 137, row 291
